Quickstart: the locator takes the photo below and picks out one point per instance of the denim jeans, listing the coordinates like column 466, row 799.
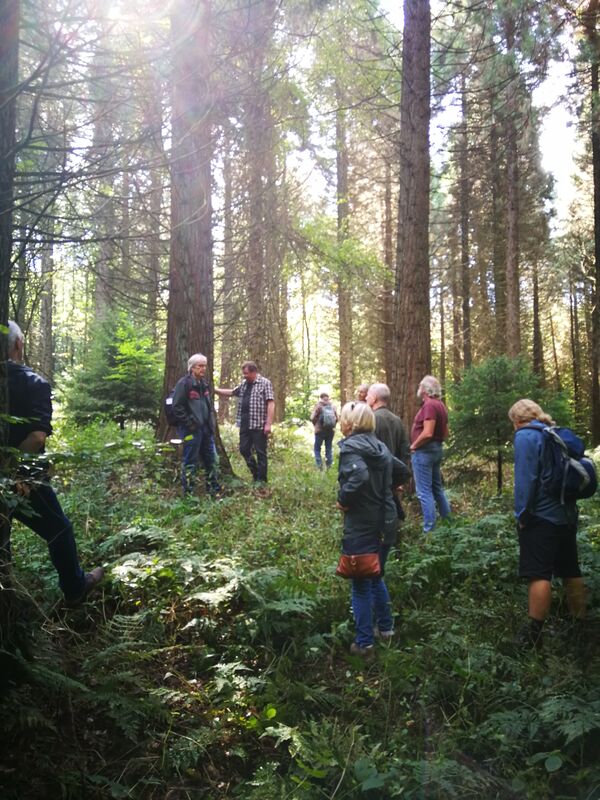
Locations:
column 371, row 601
column 426, row 466
column 253, row 446
column 43, row 515
column 327, row 438
column 198, row 445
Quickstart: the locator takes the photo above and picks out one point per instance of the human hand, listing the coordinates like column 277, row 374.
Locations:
column 267, row 429
column 340, row 507
column 23, row 489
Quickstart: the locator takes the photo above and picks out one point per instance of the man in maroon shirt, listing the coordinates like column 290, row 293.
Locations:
column 429, row 430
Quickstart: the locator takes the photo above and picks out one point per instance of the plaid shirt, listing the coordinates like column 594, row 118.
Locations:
column 261, row 391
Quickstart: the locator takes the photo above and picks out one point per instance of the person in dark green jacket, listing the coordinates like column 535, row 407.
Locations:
column 365, row 479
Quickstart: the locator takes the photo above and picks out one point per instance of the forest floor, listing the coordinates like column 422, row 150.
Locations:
column 214, row 662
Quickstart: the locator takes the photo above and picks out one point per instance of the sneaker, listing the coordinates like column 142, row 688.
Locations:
column 92, row 579
column 363, row 652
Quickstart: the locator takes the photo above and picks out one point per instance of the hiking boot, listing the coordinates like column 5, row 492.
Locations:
column 530, row 636
column 364, row 652
column 92, row 579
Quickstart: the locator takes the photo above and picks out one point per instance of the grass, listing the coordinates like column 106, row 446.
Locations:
column 214, row 662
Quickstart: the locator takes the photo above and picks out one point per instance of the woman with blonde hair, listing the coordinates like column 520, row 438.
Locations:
column 547, row 528
column 365, row 478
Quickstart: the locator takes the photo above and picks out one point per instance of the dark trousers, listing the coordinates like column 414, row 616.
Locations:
column 253, row 446
column 42, row 513
column 198, row 446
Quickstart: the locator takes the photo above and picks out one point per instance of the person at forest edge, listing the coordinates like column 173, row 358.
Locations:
column 365, row 477
column 29, row 399
column 255, row 412
column 429, row 430
column 547, row 529
column 324, row 418
column 193, row 410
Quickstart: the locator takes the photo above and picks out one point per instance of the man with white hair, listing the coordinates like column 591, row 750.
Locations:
column 30, row 401
column 429, row 430
column 194, row 413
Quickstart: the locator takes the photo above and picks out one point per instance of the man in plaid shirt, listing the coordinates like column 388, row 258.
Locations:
column 255, row 410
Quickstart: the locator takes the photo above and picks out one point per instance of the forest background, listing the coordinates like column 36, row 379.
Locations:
column 342, row 200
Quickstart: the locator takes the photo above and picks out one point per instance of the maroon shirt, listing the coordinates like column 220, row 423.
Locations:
column 432, row 408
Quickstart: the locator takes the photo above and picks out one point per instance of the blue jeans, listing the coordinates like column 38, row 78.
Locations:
column 426, row 466
column 198, row 445
column 371, row 600
column 43, row 515
column 327, row 437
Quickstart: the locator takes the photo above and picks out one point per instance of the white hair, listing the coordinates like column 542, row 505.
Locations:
column 197, row 358
column 15, row 334
column 381, row 392
column 430, row 386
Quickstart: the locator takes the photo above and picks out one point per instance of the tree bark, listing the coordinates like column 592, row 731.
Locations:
column 411, row 314
column 465, row 270
column 346, row 349
column 538, row 344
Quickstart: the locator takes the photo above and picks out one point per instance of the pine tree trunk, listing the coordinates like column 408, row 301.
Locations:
column 498, row 243
column 190, row 314
column 590, row 22
column 465, row 271
column 411, row 313
column 388, row 286
column 344, row 295
column 538, row 344
column 513, row 310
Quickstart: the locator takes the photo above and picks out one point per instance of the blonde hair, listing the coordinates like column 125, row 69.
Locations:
column 525, row 410
column 358, row 416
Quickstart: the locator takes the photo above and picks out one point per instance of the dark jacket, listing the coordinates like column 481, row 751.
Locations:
column 29, row 398
column 192, row 404
column 390, row 430
column 365, row 481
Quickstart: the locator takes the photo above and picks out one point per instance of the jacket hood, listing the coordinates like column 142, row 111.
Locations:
column 366, row 445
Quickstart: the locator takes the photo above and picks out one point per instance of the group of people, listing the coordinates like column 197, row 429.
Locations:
column 423, row 450
column 194, row 413
column 373, row 459
column 374, row 455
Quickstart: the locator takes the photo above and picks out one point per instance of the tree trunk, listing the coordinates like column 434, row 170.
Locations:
column 575, row 348
column 388, row 285
column 590, row 22
column 538, row 344
column 190, row 314
column 498, row 244
column 465, row 189
column 411, row 313
column 513, row 310
column 344, row 294
column 9, row 76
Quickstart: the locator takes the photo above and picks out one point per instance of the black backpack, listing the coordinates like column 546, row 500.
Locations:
column 168, row 406
column 569, row 476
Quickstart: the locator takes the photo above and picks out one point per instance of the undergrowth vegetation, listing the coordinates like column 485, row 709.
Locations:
column 214, row 662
